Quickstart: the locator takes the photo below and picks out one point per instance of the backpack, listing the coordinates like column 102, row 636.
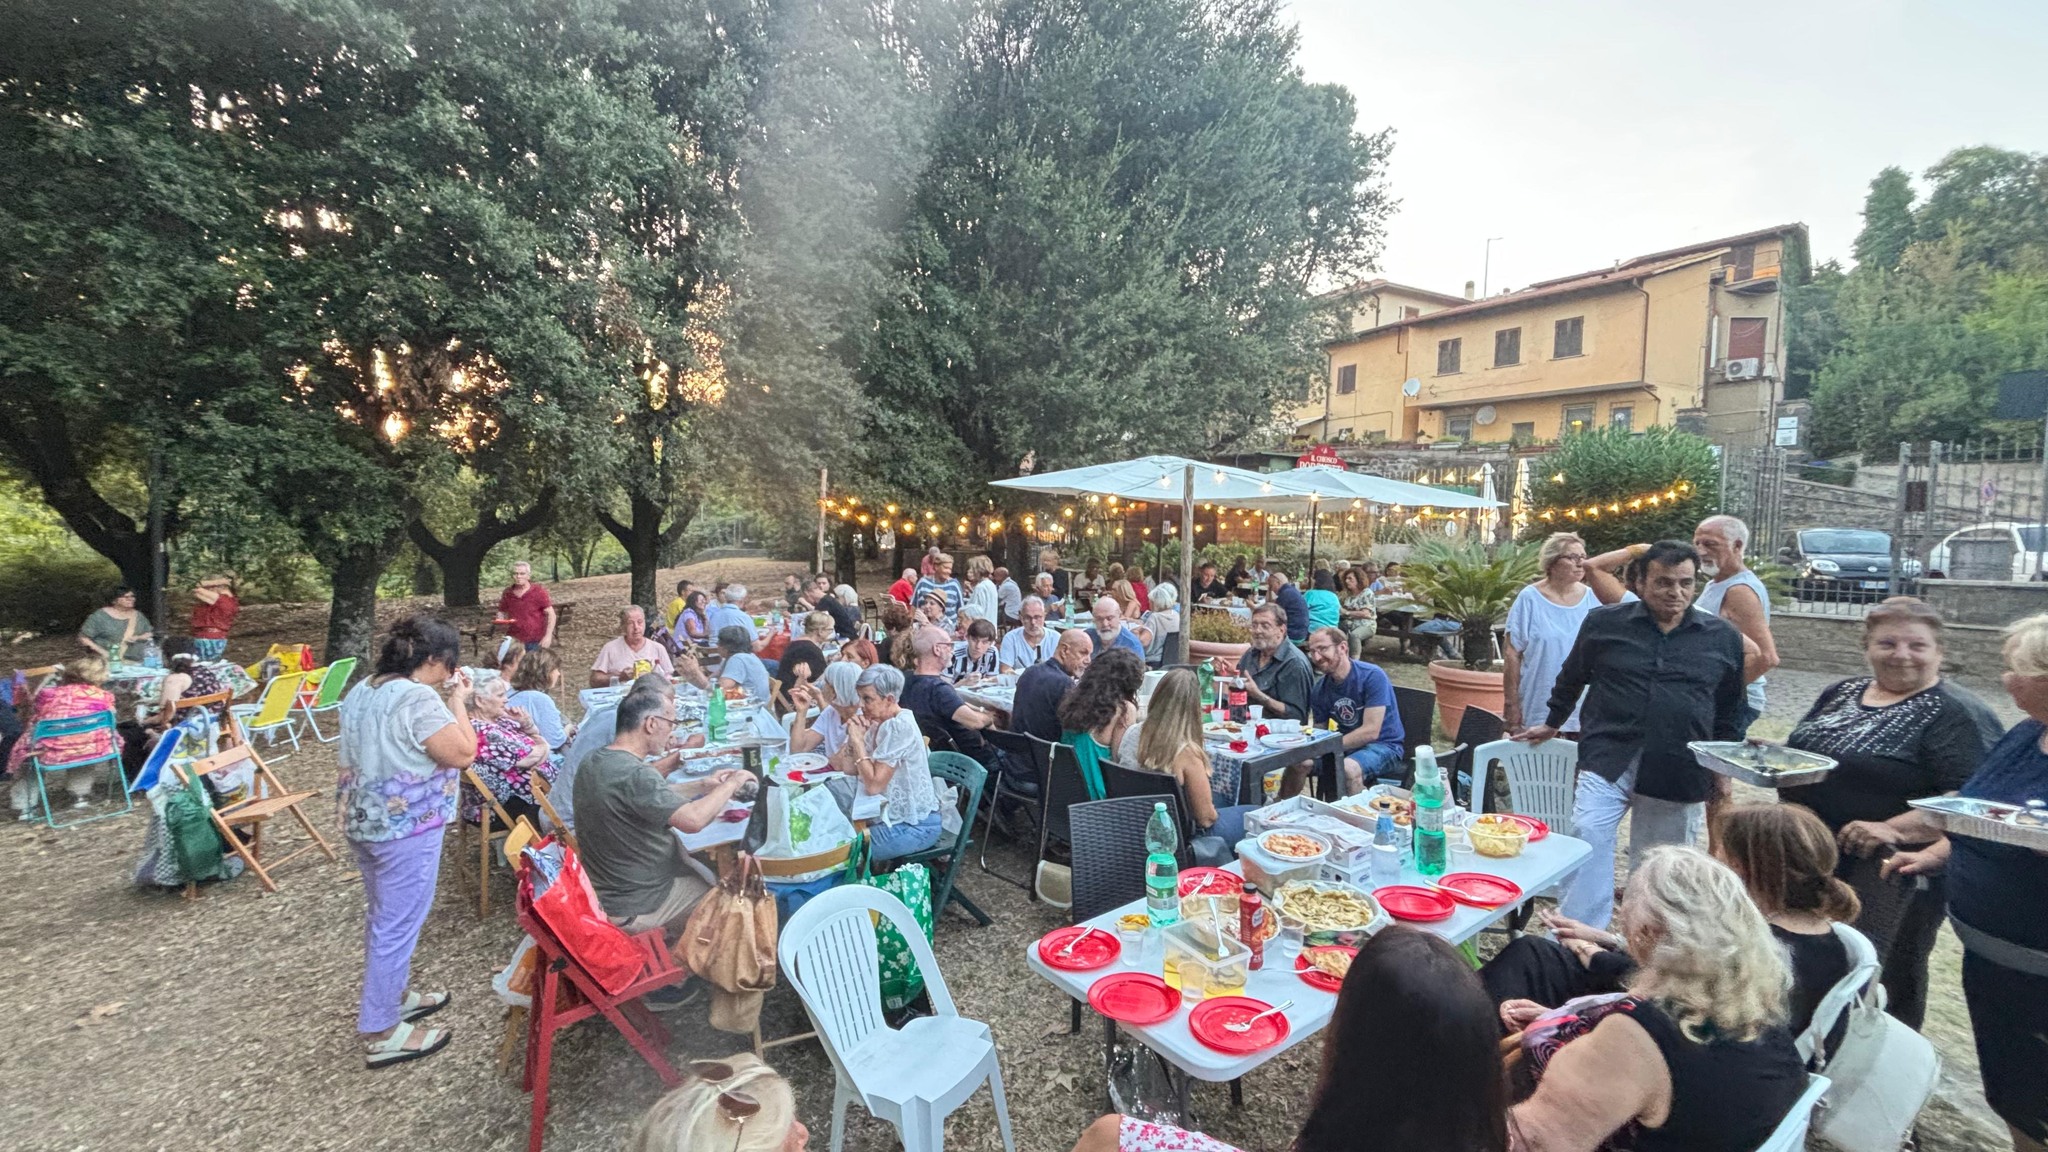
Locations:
column 1882, row 1071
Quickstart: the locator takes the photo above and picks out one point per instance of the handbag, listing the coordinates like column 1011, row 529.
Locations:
column 902, row 979
column 729, row 938
column 568, row 906
column 1882, row 1071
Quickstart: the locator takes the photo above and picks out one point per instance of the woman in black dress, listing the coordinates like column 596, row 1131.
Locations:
column 1899, row 734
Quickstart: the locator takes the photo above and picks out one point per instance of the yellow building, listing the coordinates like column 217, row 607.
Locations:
column 1693, row 336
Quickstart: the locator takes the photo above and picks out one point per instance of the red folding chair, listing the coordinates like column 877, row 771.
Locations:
column 565, row 992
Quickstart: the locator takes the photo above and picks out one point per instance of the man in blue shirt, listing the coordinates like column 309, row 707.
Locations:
column 1109, row 629
column 730, row 612
column 1292, row 602
column 1034, row 710
column 1359, row 699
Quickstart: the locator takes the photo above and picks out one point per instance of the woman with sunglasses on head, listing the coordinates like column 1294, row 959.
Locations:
column 738, row 1104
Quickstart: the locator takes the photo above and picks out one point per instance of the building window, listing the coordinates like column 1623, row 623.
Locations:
column 1570, row 338
column 1621, row 417
column 1347, row 379
column 1577, row 418
column 1507, row 347
column 1746, row 337
column 1744, row 259
column 1447, row 352
column 1458, row 427
column 1524, row 432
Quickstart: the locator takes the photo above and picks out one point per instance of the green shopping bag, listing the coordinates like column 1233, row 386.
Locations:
column 912, row 884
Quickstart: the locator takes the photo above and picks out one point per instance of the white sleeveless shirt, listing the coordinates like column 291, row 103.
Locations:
column 1710, row 601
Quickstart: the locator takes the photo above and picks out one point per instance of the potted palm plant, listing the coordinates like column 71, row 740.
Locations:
column 1474, row 584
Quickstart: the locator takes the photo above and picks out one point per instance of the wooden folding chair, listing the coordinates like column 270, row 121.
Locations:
column 560, row 827
column 485, row 835
column 216, row 702
column 267, row 797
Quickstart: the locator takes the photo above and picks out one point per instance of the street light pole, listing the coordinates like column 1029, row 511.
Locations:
column 1486, row 270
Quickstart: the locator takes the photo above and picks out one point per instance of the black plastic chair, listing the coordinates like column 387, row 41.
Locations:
column 1064, row 788
column 1418, row 709
column 1032, row 757
column 1476, row 727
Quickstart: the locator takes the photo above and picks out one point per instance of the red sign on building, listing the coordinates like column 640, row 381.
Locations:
column 1321, row 454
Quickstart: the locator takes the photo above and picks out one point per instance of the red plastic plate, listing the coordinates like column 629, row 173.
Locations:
column 1133, row 997
column 1480, row 890
column 1209, row 1017
column 1315, row 977
column 1098, row 949
column 1408, row 902
column 1537, row 828
column 1212, row 882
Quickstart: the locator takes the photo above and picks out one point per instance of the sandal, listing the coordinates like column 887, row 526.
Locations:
column 418, row 1007
column 404, row 1044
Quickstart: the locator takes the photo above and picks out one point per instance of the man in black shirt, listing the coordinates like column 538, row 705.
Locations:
column 1657, row 674
column 942, row 715
column 1035, row 708
column 845, row 617
column 1209, row 588
column 1049, row 563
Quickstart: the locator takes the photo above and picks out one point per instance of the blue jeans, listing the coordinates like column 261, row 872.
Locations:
column 888, row 841
column 1375, row 761
column 209, row 650
column 1229, row 823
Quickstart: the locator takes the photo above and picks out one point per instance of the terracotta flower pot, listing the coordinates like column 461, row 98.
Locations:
column 1225, row 655
column 1459, row 688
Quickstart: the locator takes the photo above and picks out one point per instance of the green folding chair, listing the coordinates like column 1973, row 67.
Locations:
column 326, row 697
column 966, row 774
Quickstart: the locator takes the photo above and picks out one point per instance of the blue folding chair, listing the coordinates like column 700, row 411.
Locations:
column 77, row 726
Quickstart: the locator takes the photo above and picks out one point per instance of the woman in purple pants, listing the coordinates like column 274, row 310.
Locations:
column 402, row 753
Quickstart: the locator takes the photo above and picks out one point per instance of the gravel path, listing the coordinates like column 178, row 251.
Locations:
column 143, row 1021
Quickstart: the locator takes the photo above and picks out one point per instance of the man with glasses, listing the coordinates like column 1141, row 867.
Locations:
column 1359, row 699
column 1031, row 642
column 1278, row 674
column 1110, row 630
column 625, row 811
column 941, row 714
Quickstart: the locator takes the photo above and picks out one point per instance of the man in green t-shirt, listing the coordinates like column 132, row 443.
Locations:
column 625, row 808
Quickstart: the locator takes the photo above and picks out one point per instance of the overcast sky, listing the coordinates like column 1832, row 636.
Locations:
column 1584, row 131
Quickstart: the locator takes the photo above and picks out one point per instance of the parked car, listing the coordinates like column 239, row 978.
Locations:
column 2028, row 542
column 1844, row 564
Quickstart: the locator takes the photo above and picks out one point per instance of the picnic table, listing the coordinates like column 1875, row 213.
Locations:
column 1542, row 864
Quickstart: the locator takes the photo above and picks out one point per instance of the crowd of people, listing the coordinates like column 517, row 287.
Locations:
column 1692, row 1005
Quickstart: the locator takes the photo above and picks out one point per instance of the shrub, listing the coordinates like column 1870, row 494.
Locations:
column 1218, row 628
column 1617, row 472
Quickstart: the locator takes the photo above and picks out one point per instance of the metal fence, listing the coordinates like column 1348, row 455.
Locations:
column 1993, row 488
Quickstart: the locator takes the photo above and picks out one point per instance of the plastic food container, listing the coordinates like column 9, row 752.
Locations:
column 1225, row 963
column 1268, row 872
column 1498, row 836
column 1347, row 935
column 1274, row 843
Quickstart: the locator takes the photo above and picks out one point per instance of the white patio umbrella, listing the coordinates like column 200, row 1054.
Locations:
column 1489, row 517
column 1158, row 478
column 1333, row 484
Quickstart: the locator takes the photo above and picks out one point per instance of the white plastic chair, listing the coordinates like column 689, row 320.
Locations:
column 913, row 1076
column 1790, row 1134
column 1542, row 778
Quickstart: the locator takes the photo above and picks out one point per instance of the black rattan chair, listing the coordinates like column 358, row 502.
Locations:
column 1476, row 727
column 1121, row 781
column 1063, row 789
column 1109, row 857
column 1418, row 710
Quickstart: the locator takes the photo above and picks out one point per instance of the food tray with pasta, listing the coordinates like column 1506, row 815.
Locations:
column 1330, row 913
column 2023, row 825
column 1763, row 765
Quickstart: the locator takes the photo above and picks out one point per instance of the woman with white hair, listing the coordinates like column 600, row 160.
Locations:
column 1162, row 621
column 1695, row 1056
column 835, row 697
column 886, row 751
column 737, row 1104
column 1542, row 626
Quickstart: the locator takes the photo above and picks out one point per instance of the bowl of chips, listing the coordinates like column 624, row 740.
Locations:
column 1498, row 836
column 1330, row 913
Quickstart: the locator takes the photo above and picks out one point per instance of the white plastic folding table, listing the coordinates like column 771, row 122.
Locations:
column 1542, row 864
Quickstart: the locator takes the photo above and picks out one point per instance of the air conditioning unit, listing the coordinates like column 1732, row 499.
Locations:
column 1747, row 368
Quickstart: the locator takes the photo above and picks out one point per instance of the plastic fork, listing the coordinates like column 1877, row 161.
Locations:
column 1245, row 1025
column 1084, row 934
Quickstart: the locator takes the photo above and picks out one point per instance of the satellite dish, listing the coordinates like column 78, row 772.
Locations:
column 1411, row 387
column 1485, row 416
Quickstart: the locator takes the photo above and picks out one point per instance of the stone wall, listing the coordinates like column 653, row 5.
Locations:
column 1987, row 603
column 1834, row 645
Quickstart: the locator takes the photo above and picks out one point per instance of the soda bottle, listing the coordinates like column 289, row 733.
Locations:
column 1430, row 795
column 714, row 714
column 1162, row 868
column 1251, row 912
column 1206, row 673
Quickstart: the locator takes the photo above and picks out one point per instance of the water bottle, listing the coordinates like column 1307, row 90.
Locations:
column 1162, row 868
column 1206, row 673
column 714, row 714
column 1430, row 795
column 1386, row 852
column 152, row 656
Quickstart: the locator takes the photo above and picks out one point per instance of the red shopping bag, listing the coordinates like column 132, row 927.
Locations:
column 569, row 909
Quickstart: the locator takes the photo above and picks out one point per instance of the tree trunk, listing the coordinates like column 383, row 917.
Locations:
column 352, row 613
column 45, row 452
column 644, row 540
column 461, row 560
column 842, row 553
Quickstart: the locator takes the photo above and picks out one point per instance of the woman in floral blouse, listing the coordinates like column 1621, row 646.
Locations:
column 509, row 753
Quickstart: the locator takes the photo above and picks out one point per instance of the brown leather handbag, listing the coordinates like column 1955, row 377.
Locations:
column 729, row 940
